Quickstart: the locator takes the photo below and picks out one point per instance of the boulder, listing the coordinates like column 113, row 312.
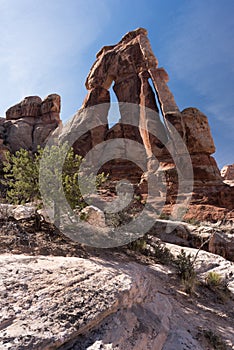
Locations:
column 93, row 215
column 222, row 244
column 218, row 239
column 227, row 172
column 18, row 212
column 23, row 212
column 29, row 107
column 19, row 134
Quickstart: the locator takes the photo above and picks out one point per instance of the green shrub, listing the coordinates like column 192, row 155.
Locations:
column 21, row 176
column 218, row 285
column 162, row 253
column 213, row 279
column 138, row 245
column 21, row 172
column 164, row 216
column 214, row 340
column 185, row 270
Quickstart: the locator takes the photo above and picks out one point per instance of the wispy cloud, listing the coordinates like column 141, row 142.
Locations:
column 40, row 40
column 201, row 53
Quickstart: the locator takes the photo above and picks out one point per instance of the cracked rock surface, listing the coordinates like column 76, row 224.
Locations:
column 106, row 302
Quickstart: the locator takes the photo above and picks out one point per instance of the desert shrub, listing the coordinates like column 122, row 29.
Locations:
column 138, row 245
column 154, row 249
column 115, row 219
column 214, row 340
column 218, row 285
column 161, row 252
column 21, row 176
column 185, row 270
column 164, row 216
column 21, row 172
column 213, row 279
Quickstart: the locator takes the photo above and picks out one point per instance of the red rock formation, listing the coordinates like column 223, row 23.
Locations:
column 3, row 148
column 227, row 172
column 30, row 122
column 183, row 138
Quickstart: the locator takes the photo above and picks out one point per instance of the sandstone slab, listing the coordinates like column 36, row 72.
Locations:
column 105, row 303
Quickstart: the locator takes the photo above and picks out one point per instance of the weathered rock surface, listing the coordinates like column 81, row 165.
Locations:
column 197, row 131
column 227, row 172
column 18, row 212
column 30, row 122
column 93, row 215
column 167, row 147
column 3, row 148
column 74, row 303
column 217, row 239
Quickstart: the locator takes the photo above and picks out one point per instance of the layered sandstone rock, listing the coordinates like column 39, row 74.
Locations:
column 29, row 123
column 126, row 66
column 227, row 173
column 208, row 186
column 179, row 149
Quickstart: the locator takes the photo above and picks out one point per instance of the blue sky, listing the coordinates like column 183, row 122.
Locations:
column 49, row 46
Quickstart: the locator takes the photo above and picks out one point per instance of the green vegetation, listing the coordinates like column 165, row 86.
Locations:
column 21, row 171
column 162, row 253
column 213, row 279
column 214, row 340
column 164, row 216
column 21, row 176
column 156, row 249
column 185, row 270
column 218, row 285
column 138, row 245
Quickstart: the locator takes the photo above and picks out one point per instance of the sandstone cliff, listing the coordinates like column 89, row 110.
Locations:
column 176, row 150
column 29, row 123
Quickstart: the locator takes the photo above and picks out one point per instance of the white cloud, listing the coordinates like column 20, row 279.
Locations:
column 40, row 40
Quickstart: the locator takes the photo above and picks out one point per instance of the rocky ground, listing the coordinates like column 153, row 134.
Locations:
column 57, row 294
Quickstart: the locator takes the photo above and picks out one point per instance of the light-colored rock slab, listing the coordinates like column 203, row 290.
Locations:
column 96, row 303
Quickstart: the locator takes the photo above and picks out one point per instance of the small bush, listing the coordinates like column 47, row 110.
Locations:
column 185, row 270
column 184, row 265
column 164, row 216
column 138, row 246
column 162, row 253
column 218, row 285
column 214, row 340
column 83, row 216
column 213, row 279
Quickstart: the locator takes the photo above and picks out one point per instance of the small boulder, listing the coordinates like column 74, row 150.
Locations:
column 93, row 215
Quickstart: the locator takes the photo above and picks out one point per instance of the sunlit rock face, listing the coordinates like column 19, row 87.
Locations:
column 131, row 67
column 29, row 123
column 227, row 172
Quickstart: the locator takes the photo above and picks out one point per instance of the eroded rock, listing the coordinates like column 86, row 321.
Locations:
column 181, row 144
column 227, row 173
column 93, row 215
column 29, row 123
column 77, row 304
